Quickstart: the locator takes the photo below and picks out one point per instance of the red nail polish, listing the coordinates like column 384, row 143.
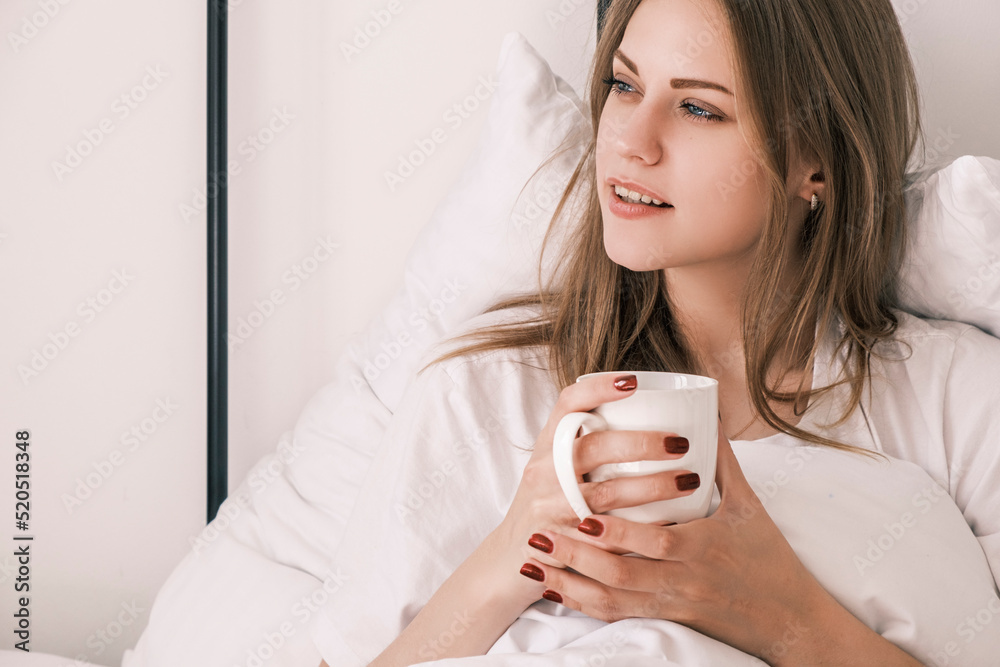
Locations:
column 675, row 444
column 625, row 382
column 532, row 572
column 591, row 527
column 552, row 595
column 540, row 542
column 687, row 482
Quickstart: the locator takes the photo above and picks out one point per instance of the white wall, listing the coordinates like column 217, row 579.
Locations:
column 320, row 176
column 956, row 52
column 96, row 564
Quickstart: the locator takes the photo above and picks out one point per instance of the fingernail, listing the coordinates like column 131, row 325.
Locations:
column 625, row 382
column 675, row 444
column 532, row 572
column 541, row 543
column 688, row 481
column 552, row 595
column 591, row 527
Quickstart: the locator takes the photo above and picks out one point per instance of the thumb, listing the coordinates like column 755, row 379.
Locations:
column 729, row 475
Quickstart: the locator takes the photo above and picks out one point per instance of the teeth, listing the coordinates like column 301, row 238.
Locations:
column 635, row 197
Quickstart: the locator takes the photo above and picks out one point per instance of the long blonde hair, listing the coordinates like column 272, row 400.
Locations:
column 831, row 80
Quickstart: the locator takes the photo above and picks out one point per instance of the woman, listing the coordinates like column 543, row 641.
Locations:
column 766, row 141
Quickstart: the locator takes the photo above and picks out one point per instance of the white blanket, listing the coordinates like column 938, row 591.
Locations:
column 915, row 576
column 881, row 535
column 270, row 575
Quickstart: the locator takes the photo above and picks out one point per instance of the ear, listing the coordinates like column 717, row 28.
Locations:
column 809, row 181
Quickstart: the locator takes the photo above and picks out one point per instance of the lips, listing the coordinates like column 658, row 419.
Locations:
column 625, row 209
column 634, row 193
column 632, row 197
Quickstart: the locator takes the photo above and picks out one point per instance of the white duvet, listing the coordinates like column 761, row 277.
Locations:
column 914, row 576
column 881, row 535
column 885, row 538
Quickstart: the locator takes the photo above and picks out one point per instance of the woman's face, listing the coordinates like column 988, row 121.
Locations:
column 669, row 129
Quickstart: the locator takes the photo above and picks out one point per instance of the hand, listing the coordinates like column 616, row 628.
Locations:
column 539, row 504
column 487, row 588
column 731, row 576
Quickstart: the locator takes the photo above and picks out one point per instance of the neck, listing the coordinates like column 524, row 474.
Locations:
column 706, row 306
column 705, row 300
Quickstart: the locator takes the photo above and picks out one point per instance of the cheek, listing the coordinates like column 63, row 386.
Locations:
column 609, row 129
column 736, row 184
column 730, row 199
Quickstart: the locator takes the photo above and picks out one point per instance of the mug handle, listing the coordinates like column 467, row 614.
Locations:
column 563, row 442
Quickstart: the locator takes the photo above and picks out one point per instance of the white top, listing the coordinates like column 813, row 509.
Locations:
column 883, row 537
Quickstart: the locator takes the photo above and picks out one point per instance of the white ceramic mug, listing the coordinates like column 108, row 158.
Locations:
column 687, row 405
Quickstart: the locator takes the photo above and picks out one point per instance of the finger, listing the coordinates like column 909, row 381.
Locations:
column 604, row 603
column 662, row 543
column 602, row 447
column 590, row 392
column 614, row 570
column 633, row 491
column 738, row 503
column 609, row 605
column 729, row 475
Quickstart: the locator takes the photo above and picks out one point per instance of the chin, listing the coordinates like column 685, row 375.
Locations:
column 632, row 257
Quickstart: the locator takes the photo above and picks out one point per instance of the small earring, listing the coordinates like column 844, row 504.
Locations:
column 815, row 202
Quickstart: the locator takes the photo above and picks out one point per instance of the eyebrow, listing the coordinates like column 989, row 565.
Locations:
column 676, row 83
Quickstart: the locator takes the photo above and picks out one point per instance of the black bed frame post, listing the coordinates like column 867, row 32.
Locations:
column 218, row 456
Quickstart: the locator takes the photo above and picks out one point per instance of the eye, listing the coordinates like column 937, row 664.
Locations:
column 616, row 85
column 699, row 114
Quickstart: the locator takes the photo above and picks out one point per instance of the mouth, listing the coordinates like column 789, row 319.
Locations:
column 632, row 197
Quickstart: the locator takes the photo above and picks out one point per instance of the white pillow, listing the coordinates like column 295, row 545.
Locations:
column 869, row 531
column 952, row 270
column 483, row 240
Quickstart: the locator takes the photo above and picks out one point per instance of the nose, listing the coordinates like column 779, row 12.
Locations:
column 637, row 134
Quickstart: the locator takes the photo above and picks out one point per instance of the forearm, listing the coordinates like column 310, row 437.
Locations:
column 466, row 616
column 835, row 637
